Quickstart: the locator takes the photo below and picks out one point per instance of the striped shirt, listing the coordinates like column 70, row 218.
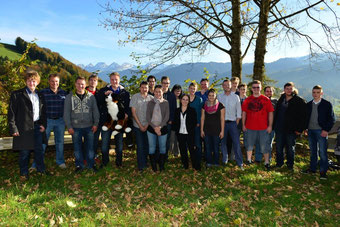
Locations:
column 54, row 102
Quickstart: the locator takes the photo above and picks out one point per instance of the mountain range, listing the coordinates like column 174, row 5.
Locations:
column 301, row 70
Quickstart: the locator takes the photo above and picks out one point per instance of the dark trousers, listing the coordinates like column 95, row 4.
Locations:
column 24, row 156
column 186, row 141
column 142, row 148
column 285, row 140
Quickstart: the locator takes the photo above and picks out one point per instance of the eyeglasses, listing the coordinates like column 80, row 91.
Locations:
column 256, row 87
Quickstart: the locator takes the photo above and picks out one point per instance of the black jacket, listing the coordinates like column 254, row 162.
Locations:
column 20, row 119
column 326, row 117
column 190, row 123
column 295, row 116
column 102, row 107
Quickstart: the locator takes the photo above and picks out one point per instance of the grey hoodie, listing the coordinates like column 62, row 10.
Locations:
column 81, row 113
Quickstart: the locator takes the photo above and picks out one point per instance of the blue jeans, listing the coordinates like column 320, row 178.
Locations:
column 153, row 138
column 77, row 138
column 230, row 128
column 258, row 153
column 24, row 155
column 106, row 138
column 212, row 144
column 58, row 127
column 142, row 148
column 198, row 144
column 285, row 140
column 96, row 140
column 315, row 139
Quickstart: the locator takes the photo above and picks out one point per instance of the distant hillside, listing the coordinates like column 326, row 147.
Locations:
column 10, row 51
column 47, row 62
column 301, row 71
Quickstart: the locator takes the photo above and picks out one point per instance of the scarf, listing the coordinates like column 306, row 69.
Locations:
column 211, row 108
column 157, row 113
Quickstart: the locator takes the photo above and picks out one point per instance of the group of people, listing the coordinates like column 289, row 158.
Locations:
column 197, row 121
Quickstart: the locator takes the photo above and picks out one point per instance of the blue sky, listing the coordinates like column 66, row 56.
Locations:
column 71, row 27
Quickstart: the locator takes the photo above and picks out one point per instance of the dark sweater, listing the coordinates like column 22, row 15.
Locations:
column 326, row 117
column 295, row 115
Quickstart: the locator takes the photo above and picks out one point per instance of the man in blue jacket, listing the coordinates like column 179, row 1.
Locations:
column 320, row 120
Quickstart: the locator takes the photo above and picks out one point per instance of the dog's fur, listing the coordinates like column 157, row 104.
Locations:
column 116, row 118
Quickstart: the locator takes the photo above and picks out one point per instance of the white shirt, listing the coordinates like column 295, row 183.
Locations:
column 232, row 106
column 183, row 127
column 35, row 103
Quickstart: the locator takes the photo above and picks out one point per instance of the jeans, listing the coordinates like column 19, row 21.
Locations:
column 153, row 138
column 142, row 148
column 168, row 139
column 212, row 144
column 258, row 153
column 24, row 155
column 285, row 140
column 174, row 149
column 106, row 138
column 77, row 138
column 96, row 140
column 258, row 136
column 315, row 139
column 230, row 128
column 58, row 127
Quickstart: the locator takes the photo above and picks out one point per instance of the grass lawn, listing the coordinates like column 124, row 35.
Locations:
column 9, row 51
column 220, row 196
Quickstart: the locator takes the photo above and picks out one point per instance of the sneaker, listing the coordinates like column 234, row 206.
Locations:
column 78, row 169
column 267, row 166
column 323, row 176
column 307, row 171
column 225, row 163
column 241, row 168
column 249, row 162
column 62, row 166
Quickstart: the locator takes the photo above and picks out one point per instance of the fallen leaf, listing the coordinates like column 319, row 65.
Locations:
column 70, row 204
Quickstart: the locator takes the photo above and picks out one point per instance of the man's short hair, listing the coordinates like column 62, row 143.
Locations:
column 151, row 77
column 143, row 83
column 289, row 84
column 165, row 78
column 80, row 78
column 317, row 87
column 54, row 75
column 204, row 79
column 95, row 76
column 115, row 74
column 226, row 80
column 242, row 85
column 32, row 74
column 234, row 78
column 193, row 84
column 158, row 86
column 255, row 82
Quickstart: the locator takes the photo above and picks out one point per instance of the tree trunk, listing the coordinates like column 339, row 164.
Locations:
column 261, row 41
column 235, row 52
